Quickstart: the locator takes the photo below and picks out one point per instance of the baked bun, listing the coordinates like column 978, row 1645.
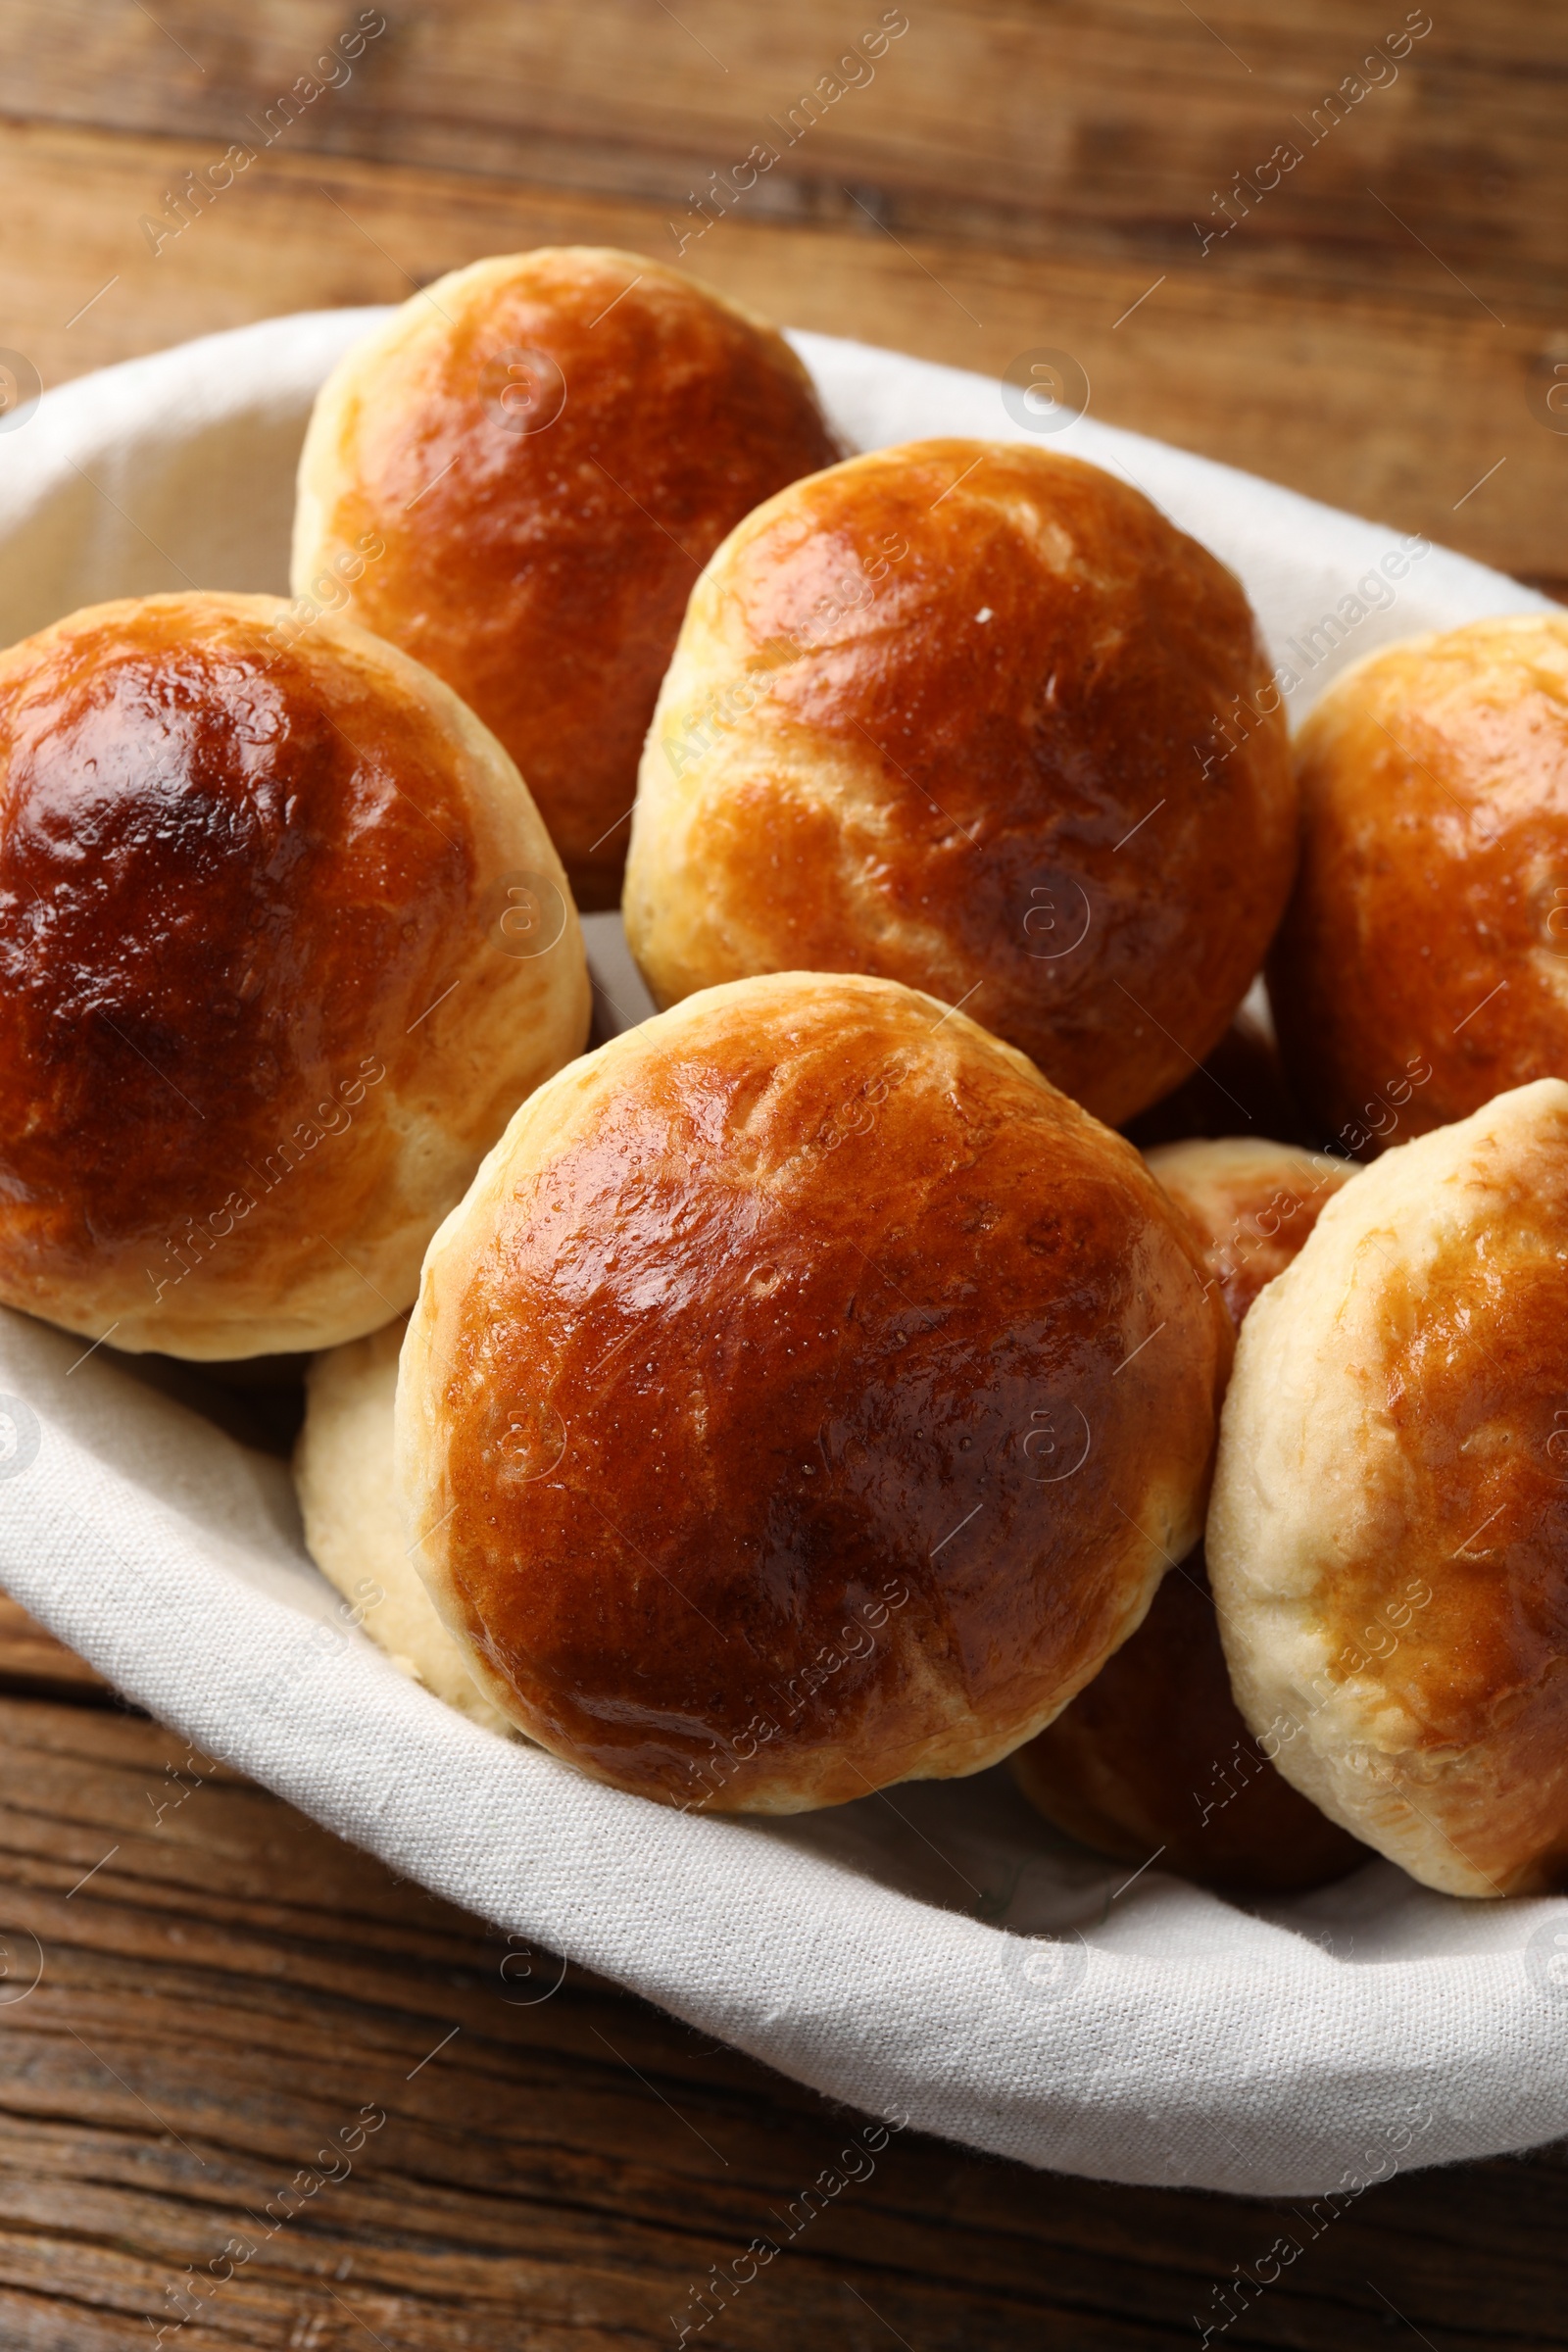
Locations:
column 803, row 1399
column 1153, row 1757
column 518, row 478
column 284, row 945
column 1423, row 965
column 1252, row 1201
column 1389, row 1539
column 937, row 715
column 354, row 1524
column 1152, row 1762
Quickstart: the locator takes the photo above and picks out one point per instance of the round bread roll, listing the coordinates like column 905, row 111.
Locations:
column 518, row 478
column 937, row 715
column 802, row 1399
column 1153, row 1757
column 1152, row 1762
column 285, row 943
column 1389, row 1539
column 354, row 1522
column 1253, row 1204
column 1423, row 965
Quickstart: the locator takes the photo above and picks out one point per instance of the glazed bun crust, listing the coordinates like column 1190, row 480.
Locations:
column 1253, row 1203
column 1388, row 1538
column 936, row 714
column 256, row 1030
column 547, row 447
column 1429, row 926
column 803, row 1399
column 1154, row 1758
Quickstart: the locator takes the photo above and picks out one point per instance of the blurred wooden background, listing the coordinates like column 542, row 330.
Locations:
column 219, row 1986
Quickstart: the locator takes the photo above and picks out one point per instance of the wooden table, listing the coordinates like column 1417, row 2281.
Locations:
column 224, row 1989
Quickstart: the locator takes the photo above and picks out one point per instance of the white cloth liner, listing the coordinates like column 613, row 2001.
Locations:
column 1167, row 2036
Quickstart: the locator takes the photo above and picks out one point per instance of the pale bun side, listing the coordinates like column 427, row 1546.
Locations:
column 355, row 1527
column 1388, row 1542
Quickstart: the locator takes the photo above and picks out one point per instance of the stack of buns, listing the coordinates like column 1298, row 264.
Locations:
column 810, row 1388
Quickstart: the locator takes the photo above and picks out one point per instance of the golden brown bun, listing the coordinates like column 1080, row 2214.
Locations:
column 1155, row 1760
column 1423, row 965
column 261, row 1016
column 937, row 715
column 354, row 1522
column 1154, row 1755
column 802, row 1399
column 1253, row 1204
column 547, row 447
column 1389, row 1539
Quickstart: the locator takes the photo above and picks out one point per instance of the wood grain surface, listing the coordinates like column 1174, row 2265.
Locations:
column 200, row 1990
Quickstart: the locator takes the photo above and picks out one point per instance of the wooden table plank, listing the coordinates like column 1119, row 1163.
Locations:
column 1092, row 130
column 230, row 1989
